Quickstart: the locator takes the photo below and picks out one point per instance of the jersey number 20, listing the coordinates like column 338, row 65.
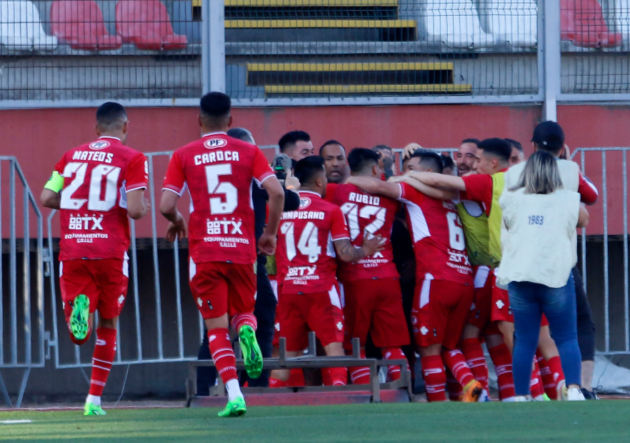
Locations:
column 100, row 173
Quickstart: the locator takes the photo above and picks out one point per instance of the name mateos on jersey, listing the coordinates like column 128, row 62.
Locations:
column 96, row 156
column 363, row 198
column 216, row 156
column 303, row 215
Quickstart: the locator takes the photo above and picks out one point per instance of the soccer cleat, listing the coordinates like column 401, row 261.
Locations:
column 589, row 395
column 234, row 408
column 252, row 355
column 92, row 409
column 543, row 397
column 472, row 392
column 562, row 391
column 484, row 397
column 521, row 398
column 575, row 394
column 80, row 317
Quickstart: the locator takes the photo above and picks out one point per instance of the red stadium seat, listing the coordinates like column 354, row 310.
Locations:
column 80, row 23
column 146, row 24
column 582, row 23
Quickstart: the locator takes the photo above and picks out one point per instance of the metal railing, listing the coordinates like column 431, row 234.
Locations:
column 22, row 305
column 608, row 168
column 313, row 52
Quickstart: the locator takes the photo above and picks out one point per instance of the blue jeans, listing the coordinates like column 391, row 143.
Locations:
column 529, row 301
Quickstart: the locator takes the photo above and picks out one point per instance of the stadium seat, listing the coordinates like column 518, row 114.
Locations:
column 582, row 23
column 455, row 23
column 146, row 24
column 513, row 23
column 80, row 24
column 21, row 28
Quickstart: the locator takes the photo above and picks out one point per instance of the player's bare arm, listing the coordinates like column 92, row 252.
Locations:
column 177, row 229
column 375, row 186
column 429, row 191
column 583, row 217
column 349, row 253
column 267, row 241
column 137, row 204
column 436, row 180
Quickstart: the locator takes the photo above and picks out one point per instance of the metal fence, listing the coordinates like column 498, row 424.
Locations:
column 303, row 52
column 605, row 262
column 21, row 277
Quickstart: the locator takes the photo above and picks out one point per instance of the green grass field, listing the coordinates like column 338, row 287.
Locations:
column 603, row 421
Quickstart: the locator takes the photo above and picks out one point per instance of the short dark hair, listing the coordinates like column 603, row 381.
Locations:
column 331, row 142
column 497, row 147
column 241, row 134
column 430, row 159
column 379, row 148
column 474, row 141
column 291, row 138
column 361, row 158
column 306, row 170
column 447, row 161
column 110, row 113
column 514, row 144
column 215, row 105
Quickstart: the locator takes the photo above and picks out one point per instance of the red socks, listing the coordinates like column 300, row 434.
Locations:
column 336, row 376
column 103, row 357
column 551, row 372
column 471, row 347
column 455, row 361
column 360, row 375
column 536, row 387
column 502, row 360
column 244, row 319
column 455, row 390
column 222, row 353
column 434, row 377
column 275, row 383
column 393, row 372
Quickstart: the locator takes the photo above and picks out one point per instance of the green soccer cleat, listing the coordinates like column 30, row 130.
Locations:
column 92, row 409
column 80, row 317
column 234, row 408
column 251, row 351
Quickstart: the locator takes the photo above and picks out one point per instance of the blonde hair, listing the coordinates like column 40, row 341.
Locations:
column 540, row 176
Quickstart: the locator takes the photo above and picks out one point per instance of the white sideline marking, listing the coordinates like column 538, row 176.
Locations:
column 15, row 422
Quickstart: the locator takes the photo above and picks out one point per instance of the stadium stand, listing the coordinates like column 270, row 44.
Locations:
column 619, row 16
column 454, row 23
column 80, row 24
column 146, row 24
column 512, row 23
column 21, row 28
column 583, row 24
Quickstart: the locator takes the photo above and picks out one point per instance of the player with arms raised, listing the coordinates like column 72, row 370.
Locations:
column 307, row 242
column 95, row 186
column 444, row 283
column 218, row 171
column 373, row 301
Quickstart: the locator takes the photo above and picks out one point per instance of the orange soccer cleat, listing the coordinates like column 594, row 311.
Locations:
column 472, row 392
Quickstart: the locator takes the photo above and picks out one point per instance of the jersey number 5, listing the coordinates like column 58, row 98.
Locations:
column 100, row 174
column 308, row 243
column 218, row 206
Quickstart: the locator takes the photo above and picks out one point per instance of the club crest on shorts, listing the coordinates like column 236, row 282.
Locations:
column 305, row 202
column 98, row 145
column 215, row 143
column 500, row 304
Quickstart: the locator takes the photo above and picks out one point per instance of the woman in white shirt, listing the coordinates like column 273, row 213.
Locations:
column 541, row 217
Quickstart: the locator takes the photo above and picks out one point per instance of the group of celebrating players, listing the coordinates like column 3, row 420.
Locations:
column 343, row 263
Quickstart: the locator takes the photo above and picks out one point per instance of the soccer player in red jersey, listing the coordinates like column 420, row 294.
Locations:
column 218, row 171
column 373, row 301
column 102, row 182
column 444, row 289
column 309, row 240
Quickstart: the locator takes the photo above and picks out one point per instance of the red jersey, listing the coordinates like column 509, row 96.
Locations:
column 374, row 215
column 305, row 253
column 93, row 215
column 218, row 171
column 438, row 237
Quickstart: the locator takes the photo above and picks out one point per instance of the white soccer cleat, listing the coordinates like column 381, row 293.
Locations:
column 484, row 397
column 520, row 398
column 562, row 391
column 575, row 394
